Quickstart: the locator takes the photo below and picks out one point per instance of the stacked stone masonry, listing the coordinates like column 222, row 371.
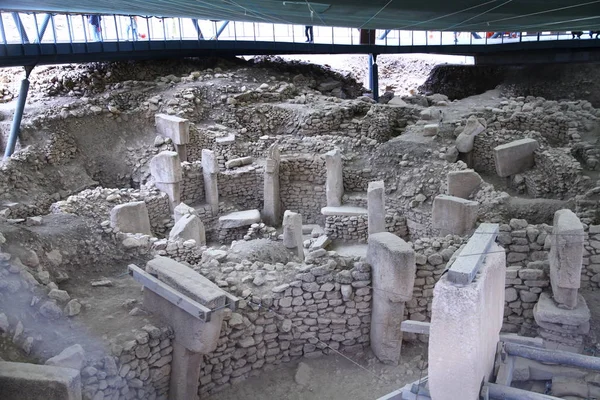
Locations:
column 323, row 308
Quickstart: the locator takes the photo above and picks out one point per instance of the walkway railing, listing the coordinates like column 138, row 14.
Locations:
column 28, row 28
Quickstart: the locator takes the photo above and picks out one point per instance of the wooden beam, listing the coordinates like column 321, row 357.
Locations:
column 190, row 306
column 468, row 262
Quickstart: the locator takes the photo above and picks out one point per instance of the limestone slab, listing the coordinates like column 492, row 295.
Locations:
column 181, row 210
column 453, row 215
column 186, row 281
column 188, row 227
column 176, row 128
column 239, row 219
column 463, row 183
column 19, row 381
column 515, row 157
column 165, row 167
column 344, row 211
column 131, row 218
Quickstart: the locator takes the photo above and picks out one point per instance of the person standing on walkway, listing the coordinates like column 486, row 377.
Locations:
column 308, row 31
column 132, row 27
column 95, row 22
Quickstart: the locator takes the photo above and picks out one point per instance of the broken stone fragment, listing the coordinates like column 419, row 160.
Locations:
column 102, row 282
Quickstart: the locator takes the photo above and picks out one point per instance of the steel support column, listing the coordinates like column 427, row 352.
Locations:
column 16, row 124
column 45, row 23
column 221, row 29
column 374, row 76
column 20, row 27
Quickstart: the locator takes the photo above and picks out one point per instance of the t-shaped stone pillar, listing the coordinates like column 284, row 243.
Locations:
column 566, row 258
column 185, row 300
column 175, row 128
column 272, row 198
column 165, row 168
column 465, row 327
column 393, row 270
column 292, row 232
column 334, row 186
column 376, row 207
column 210, row 168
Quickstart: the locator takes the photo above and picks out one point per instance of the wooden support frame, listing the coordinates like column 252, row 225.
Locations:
column 468, row 262
column 190, row 306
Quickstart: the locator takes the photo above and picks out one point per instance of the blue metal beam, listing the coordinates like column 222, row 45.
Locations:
column 16, row 124
column 509, row 53
column 221, row 29
column 20, row 27
column 374, row 76
column 43, row 28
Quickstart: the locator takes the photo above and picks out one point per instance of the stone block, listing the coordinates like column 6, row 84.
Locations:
column 176, row 128
column 292, row 232
column 344, row 211
column 464, row 331
column 465, row 140
column 181, row 210
column 463, row 183
column 430, row 129
column 131, row 218
column 393, row 269
column 334, row 186
column 19, row 381
column 238, row 162
column 165, row 167
column 453, row 215
column 188, row 227
column 71, row 357
column 515, row 157
column 239, row 219
column 376, row 207
column 566, row 257
column 546, row 310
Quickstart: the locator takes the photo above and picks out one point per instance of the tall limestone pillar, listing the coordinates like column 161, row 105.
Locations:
column 376, row 207
column 272, row 198
column 393, row 270
column 334, row 187
column 210, row 169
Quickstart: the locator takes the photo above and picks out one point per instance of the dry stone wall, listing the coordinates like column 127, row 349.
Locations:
column 302, row 186
column 322, row 308
column 97, row 203
column 242, row 187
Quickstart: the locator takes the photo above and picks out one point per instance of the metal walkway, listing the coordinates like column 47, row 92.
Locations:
column 35, row 39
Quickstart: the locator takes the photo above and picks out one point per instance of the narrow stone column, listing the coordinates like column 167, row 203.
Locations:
column 393, row 270
column 566, row 258
column 292, row 232
column 272, row 198
column 334, row 187
column 210, row 168
column 185, row 373
column 165, row 168
column 376, row 206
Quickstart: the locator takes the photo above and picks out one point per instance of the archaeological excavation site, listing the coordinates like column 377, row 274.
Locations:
column 262, row 228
